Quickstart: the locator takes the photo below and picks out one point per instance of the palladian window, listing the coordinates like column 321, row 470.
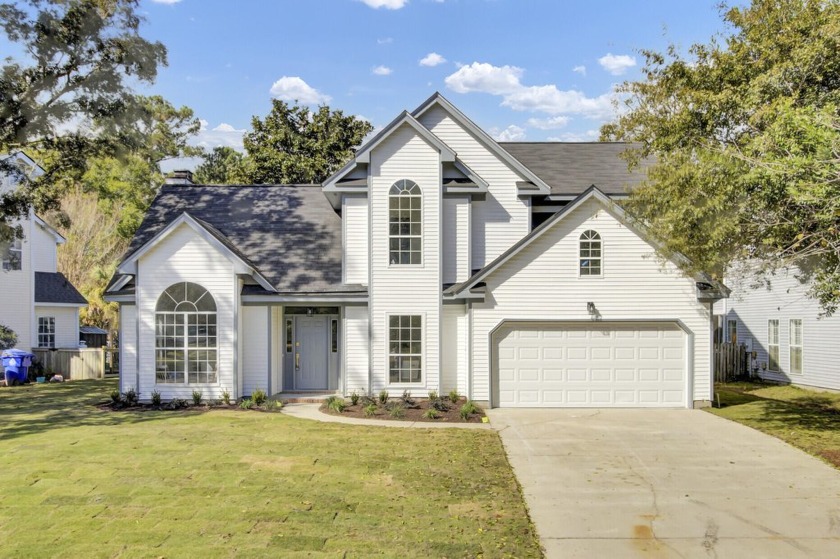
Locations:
column 186, row 349
column 405, row 238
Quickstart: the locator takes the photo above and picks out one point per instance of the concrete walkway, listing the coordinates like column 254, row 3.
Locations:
column 311, row 411
column 668, row 483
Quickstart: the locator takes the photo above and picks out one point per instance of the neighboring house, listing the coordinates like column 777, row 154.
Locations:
column 436, row 259
column 36, row 301
column 782, row 325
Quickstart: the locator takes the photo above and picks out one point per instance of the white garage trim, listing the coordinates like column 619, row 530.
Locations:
column 506, row 326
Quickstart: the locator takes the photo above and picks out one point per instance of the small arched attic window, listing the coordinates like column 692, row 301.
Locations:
column 590, row 253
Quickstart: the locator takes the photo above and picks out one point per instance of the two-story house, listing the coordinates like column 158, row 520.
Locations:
column 36, row 301
column 437, row 258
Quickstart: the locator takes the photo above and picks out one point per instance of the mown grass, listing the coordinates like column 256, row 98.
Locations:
column 81, row 482
column 807, row 419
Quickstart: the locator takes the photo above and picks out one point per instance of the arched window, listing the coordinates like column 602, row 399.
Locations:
column 590, row 253
column 185, row 335
column 405, row 231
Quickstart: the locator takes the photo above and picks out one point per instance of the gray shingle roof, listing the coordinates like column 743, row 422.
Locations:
column 290, row 234
column 570, row 168
column 55, row 288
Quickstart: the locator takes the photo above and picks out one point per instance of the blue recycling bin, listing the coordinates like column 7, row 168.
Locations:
column 16, row 363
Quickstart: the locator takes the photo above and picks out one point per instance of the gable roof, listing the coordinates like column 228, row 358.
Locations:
column 570, row 168
column 591, row 192
column 54, row 288
column 436, row 99
column 290, row 235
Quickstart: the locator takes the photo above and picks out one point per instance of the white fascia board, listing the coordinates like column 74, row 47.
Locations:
column 42, row 304
column 59, row 238
column 119, row 298
column 315, row 298
column 129, row 265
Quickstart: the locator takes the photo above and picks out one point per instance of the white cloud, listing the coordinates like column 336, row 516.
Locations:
column 166, row 1
column 292, row 88
column 579, row 70
column 552, row 123
column 387, row 4
column 432, row 59
column 222, row 135
column 616, row 64
column 505, row 82
column 512, row 133
column 382, row 71
column 485, row 78
column 385, row 41
column 588, row 136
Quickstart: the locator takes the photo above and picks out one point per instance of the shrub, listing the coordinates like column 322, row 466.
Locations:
column 454, row 396
column 406, row 399
column 439, row 405
column 273, row 405
column 8, row 338
column 433, row 395
column 368, row 400
column 468, row 409
column 431, row 413
column 130, row 396
column 336, row 404
column 155, row 398
column 259, row 397
column 354, row 398
column 383, row 397
column 197, row 397
column 116, row 397
column 246, row 404
column 397, row 411
column 370, row 410
column 226, row 397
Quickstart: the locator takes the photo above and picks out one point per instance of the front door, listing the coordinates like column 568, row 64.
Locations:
column 310, row 352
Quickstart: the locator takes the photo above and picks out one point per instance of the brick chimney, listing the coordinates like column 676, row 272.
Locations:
column 183, row 177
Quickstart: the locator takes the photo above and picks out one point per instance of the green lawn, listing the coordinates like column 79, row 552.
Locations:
column 806, row 419
column 80, row 482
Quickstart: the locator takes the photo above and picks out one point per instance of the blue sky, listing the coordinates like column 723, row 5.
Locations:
column 522, row 69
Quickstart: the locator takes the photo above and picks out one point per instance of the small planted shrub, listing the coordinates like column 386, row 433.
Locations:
column 454, row 396
column 468, row 409
column 354, row 398
column 368, row 400
column 273, row 405
column 383, row 397
column 397, row 411
column 370, row 410
column 226, row 397
column 130, row 396
column 259, row 397
column 197, row 397
column 116, row 397
column 246, row 404
column 406, row 399
column 433, row 395
column 431, row 413
column 177, row 403
column 336, row 404
column 439, row 405
column 155, row 398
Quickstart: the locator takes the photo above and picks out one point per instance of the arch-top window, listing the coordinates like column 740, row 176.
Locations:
column 185, row 335
column 590, row 253
column 405, row 233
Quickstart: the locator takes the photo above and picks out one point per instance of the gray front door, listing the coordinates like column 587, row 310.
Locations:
column 311, row 363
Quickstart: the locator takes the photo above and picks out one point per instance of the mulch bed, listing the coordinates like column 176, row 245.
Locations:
column 413, row 413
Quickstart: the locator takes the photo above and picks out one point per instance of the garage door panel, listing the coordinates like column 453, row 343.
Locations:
column 575, row 365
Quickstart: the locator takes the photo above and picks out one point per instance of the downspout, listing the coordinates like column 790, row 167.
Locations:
column 137, row 322
column 469, row 349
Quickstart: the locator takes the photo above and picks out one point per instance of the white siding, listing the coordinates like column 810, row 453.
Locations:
column 542, row 282
column 356, row 348
column 356, row 253
column 455, row 241
column 66, row 324
column 787, row 299
column 128, row 346
column 255, row 347
column 502, row 218
column 44, row 258
column 407, row 289
column 184, row 256
column 17, row 294
column 453, row 349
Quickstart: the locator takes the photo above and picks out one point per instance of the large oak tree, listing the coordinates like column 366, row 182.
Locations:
column 743, row 138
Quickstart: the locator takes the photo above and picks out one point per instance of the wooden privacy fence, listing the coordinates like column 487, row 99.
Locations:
column 75, row 364
column 730, row 362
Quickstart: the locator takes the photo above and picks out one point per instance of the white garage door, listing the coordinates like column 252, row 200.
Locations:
column 588, row 365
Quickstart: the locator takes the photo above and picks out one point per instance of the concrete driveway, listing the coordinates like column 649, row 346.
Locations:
column 668, row 483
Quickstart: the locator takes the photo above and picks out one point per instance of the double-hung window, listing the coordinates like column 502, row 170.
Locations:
column 773, row 344
column 186, row 336
column 46, row 331
column 405, row 226
column 590, row 253
column 11, row 254
column 796, row 346
column 405, row 343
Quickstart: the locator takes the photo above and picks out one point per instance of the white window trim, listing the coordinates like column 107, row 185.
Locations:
column 50, row 334
column 800, row 346
column 15, row 245
column 600, row 259
column 423, row 342
column 421, row 236
column 771, row 345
